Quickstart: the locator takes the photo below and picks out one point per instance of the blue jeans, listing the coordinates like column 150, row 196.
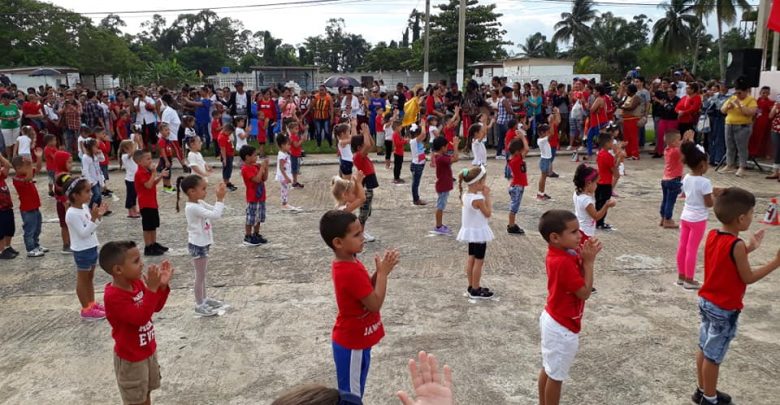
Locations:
column 671, row 190
column 501, row 128
column 69, row 137
column 202, row 129
column 717, row 330
column 322, row 131
column 97, row 198
column 592, row 133
column 31, row 225
column 717, row 148
column 515, row 196
column 641, row 137
column 227, row 168
column 417, row 172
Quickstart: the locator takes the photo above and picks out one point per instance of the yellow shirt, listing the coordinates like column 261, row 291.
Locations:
column 735, row 116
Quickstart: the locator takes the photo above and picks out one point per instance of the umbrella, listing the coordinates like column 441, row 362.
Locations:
column 340, row 81
column 45, row 72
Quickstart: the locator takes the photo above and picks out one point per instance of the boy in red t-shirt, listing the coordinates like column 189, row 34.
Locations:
column 48, row 154
column 444, row 180
column 216, row 128
column 262, row 132
column 7, row 225
column 361, row 145
column 122, row 125
column 226, row 153
column 517, row 150
column 29, row 202
column 130, row 300
column 398, row 152
column 359, row 298
column 727, row 273
column 296, row 151
column 167, row 151
column 254, row 176
column 569, row 284
column 608, row 167
column 104, row 144
column 146, row 179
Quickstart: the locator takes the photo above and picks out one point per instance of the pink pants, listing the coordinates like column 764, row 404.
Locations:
column 691, row 234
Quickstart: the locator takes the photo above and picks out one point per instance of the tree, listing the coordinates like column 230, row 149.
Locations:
column 414, row 24
column 484, row 35
column 337, row 50
column 207, row 60
column 672, row 32
column 167, row 73
column 385, row 57
column 614, row 41
column 113, row 22
column 534, row 45
column 574, row 25
column 725, row 12
column 114, row 56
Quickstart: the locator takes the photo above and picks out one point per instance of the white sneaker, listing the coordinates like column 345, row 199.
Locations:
column 367, row 237
column 500, row 157
column 205, row 310
column 215, row 304
column 35, row 253
column 43, row 249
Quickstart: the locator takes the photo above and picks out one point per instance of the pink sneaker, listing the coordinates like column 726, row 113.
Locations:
column 99, row 306
column 92, row 313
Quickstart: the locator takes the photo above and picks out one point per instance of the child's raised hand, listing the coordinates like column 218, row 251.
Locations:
column 590, row 249
column 429, row 387
column 166, row 271
column 486, row 190
column 152, row 278
column 688, row 135
column 755, row 240
column 388, row 261
column 38, row 153
column 358, row 176
column 221, row 191
column 611, row 202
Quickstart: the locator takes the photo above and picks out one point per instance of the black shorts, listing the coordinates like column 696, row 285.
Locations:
column 477, row 250
column 7, row 225
column 150, row 219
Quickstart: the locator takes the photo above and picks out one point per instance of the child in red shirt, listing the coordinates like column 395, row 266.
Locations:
column 104, row 144
column 48, row 154
column 296, row 151
column 671, row 182
column 167, row 151
column 569, row 284
column 122, row 125
column 727, row 272
column 517, row 150
column 29, row 202
column 359, row 298
column 226, row 153
column 444, row 182
column 398, row 152
column 7, row 225
column 262, row 132
column 608, row 167
column 254, row 176
column 130, row 301
column 63, row 164
column 361, row 145
column 216, row 128
column 145, row 184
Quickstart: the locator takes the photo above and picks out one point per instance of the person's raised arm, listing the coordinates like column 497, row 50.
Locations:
column 596, row 215
column 747, row 274
column 484, row 205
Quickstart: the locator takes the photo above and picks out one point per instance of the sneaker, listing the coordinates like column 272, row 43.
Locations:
column 515, row 229
column 441, row 230
column 161, row 247
column 398, row 181
column 727, row 169
column 216, row 304
column 259, row 238
column 152, row 250
column 297, row 185
column 7, row 255
column 250, row 240
column 540, row 197
column 92, row 313
column 698, row 395
column 14, row 251
column 740, row 172
column 420, row 202
column 480, row 293
column 575, row 157
column 169, row 190
column 547, row 197
column 606, row 228
column 44, row 249
column 232, row 187
column 99, row 306
column 66, row 250
column 35, row 253
column 568, row 147
column 691, row 285
column 554, row 175
column 108, row 213
column 205, row 310
column 51, row 193
column 679, row 282
column 500, row 157
column 367, row 237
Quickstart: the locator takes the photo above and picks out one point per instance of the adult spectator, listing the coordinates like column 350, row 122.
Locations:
column 688, row 109
column 434, row 103
column 240, row 102
column 9, row 124
column 202, row 105
column 376, row 106
column 399, row 99
column 644, row 96
column 322, row 110
column 170, row 116
column 759, row 139
column 740, row 110
column 350, row 104
column 70, row 111
column 717, row 141
column 146, row 116
column 682, row 85
column 668, row 119
column 453, row 98
column 561, row 100
column 503, row 115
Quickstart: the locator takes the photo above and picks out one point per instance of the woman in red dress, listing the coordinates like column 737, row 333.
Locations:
column 759, row 139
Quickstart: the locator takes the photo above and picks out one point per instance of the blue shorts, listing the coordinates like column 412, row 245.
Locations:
column 441, row 200
column 345, row 167
column 255, row 213
column 545, row 165
column 351, row 368
column 717, row 330
column 295, row 164
column 198, row 251
column 86, row 259
column 515, row 196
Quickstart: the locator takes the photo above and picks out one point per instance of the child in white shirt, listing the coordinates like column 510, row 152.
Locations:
column 195, row 159
column 25, row 142
column 284, row 171
column 128, row 148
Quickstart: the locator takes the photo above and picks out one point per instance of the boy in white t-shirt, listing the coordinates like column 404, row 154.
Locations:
column 284, row 171
column 545, row 160
column 25, row 142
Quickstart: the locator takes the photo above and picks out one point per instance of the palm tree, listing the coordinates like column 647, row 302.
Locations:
column 675, row 28
column 534, row 45
column 573, row 26
column 725, row 12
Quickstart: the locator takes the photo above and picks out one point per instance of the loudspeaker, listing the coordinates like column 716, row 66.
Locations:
column 745, row 63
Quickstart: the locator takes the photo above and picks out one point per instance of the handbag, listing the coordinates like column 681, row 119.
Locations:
column 703, row 125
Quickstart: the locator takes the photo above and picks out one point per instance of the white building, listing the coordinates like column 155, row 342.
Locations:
column 524, row 69
column 21, row 76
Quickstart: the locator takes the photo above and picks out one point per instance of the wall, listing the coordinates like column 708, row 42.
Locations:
column 100, row 82
column 23, row 81
column 391, row 78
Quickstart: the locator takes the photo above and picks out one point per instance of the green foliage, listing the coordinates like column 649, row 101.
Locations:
column 674, row 31
column 337, row 50
column 101, row 51
column 573, row 25
column 384, row 57
column 167, row 73
column 537, row 46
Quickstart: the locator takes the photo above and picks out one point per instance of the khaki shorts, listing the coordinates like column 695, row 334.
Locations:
column 137, row 379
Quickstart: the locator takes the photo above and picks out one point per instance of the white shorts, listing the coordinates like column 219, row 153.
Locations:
column 9, row 136
column 559, row 346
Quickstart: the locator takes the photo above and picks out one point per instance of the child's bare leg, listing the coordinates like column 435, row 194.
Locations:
column 295, row 178
column 552, row 391
column 439, row 215
column 542, row 183
column 699, row 364
column 85, row 290
column 512, row 216
column 476, row 274
column 709, row 376
column 148, row 238
column 248, row 230
column 65, row 235
column 542, row 384
column 257, row 228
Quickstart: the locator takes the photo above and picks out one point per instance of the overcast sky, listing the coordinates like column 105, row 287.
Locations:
column 376, row 20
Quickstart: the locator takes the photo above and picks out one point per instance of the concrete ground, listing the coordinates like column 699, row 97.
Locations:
column 637, row 345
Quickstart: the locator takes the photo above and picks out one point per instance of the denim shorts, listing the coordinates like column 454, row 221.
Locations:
column 545, row 165
column 345, row 167
column 515, row 196
column 441, row 200
column 86, row 259
column 295, row 164
column 717, row 330
column 198, row 251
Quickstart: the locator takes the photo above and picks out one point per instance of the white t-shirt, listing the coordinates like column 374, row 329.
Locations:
column 199, row 216
column 389, row 132
column 80, row 143
column 90, row 169
column 544, row 147
column 195, row 159
column 283, row 163
column 130, row 167
column 240, row 142
column 695, row 188
column 81, row 228
column 345, row 152
column 170, row 117
column 418, row 151
column 24, row 143
column 434, row 132
column 474, row 225
column 144, row 115
column 480, row 153
column 581, row 203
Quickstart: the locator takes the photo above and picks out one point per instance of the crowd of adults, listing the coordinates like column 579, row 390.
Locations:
column 732, row 126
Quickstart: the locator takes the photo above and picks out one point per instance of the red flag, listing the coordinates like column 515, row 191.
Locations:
column 774, row 17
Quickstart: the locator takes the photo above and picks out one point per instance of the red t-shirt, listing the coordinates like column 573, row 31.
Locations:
column 130, row 317
column 673, row 165
column 166, row 148
column 215, row 125
column 5, row 194
column 510, row 134
column 356, row 328
column 554, row 139
column 564, row 277
column 444, row 181
column 247, row 173
column 28, row 194
column 261, row 132
column 518, row 169
column 225, row 144
column 398, row 144
column 121, row 128
column 147, row 197
column 363, row 163
column 30, row 108
column 48, row 154
column 105, row 147
column 449, row 135
column 378, row 125
column 295, row 151
column 606, row 163
column 722, row 285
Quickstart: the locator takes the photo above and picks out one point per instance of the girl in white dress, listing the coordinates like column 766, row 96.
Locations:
column 475, row 230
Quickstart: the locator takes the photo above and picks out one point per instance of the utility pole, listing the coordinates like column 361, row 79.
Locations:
column 461, row 42
column 426, row 70
column 762, row 32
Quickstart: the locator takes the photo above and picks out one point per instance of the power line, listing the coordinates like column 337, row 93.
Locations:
column 619, row 4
